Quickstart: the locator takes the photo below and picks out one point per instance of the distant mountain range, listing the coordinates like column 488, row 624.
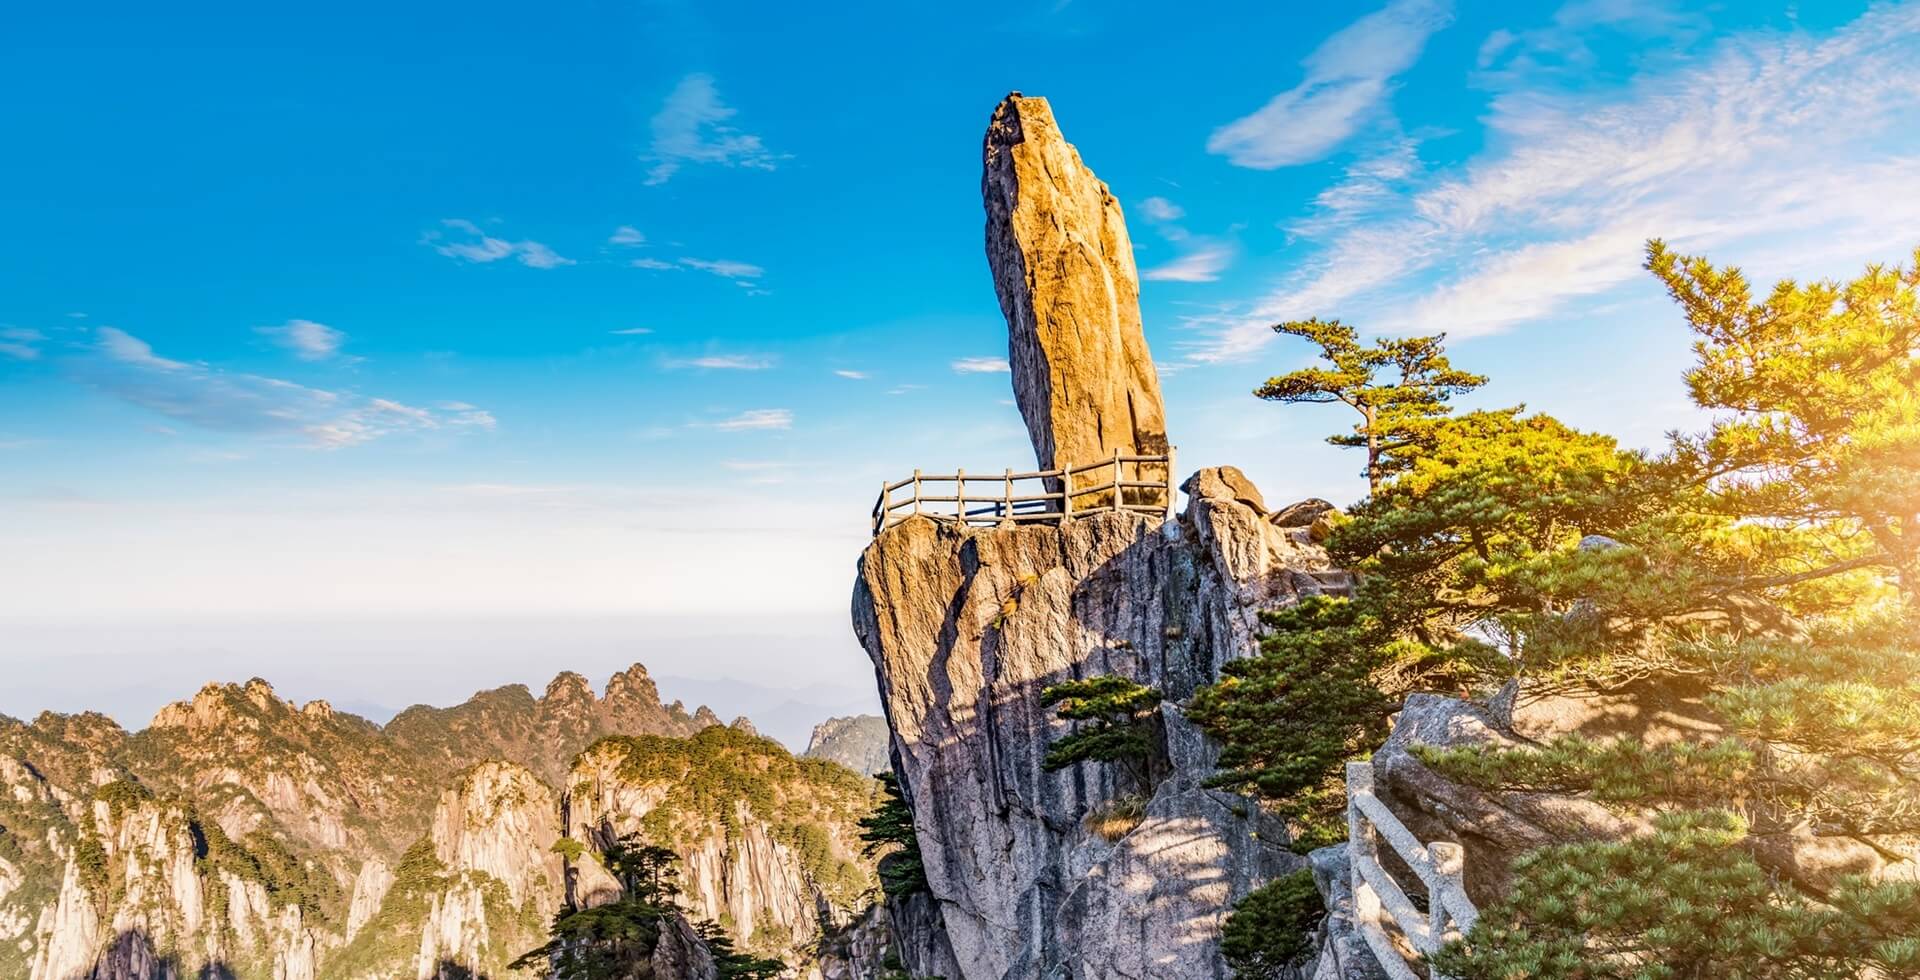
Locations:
column 254, row 837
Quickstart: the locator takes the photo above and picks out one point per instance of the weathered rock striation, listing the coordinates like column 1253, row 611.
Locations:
column 1063, row 266
column 966, row 628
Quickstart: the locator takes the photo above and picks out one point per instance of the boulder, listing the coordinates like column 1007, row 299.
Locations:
column 1301, row 514
column 1063, row 267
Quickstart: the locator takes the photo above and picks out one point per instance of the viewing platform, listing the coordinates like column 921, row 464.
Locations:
column 1123, row 482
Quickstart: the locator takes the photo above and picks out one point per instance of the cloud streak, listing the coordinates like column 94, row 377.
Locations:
column 754, row 420
column 981, row 365
column 479, row 247
column 1348, row 78
column 309, row 341
column 1788, row 147
column 691, row 127
column 123, row 366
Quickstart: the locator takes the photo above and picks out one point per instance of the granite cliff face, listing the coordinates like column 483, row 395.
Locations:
column 966, row 628
column 1063, row 267
column 1079, row 873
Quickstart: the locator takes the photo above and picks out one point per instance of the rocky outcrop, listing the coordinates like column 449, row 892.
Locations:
column 1063, row 267
column 769, row 847
column 859, row 743
column 966, row 628
column 544, row 733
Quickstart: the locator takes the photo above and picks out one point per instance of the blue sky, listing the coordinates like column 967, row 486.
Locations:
column 619, row 312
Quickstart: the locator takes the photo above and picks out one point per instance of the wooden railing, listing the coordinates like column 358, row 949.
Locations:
column 1009, row 496
column 1438, row 865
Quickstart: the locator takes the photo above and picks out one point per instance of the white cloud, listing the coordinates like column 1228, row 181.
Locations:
column 726, row 268
column 691, row 128
column 632, row 331
column 904, row 389
column 126, row 367
column 1204, row 264
column 725, row 362
column 853, row 375
column 754, row 419
column 1161, row 209
column 652, row 264
column 1348, row 77
column 308, row 340
column 1794, row 149
column 480, row 247
column 982, row 365
column 20, row 343
column 627, row 235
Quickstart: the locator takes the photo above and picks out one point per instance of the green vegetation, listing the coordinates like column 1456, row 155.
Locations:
column 392, row 937
column 1397, row 416
column 615, row 941
column 714, row 778
column 1269, row 931
column 1123, row 729
column 888, row 831
column 1764, row 569
column 733, row 964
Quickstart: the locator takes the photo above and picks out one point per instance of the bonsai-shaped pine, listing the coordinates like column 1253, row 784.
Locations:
column 733, row 964
column 612, row 941
column 1271, row 929
column 889, row 829
column 1122, row 730
column 1396, row 414
column 1773, row 579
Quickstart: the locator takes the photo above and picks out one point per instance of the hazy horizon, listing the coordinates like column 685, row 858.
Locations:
column 381, row 666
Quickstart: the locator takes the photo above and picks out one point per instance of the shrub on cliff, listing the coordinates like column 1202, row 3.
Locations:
column 888, row 831
column 1120, row 729
column 1271, row 930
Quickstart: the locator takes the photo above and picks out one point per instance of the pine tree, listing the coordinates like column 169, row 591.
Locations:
column 1396, row 415
column 1122, row 730
column 888, row 831
column 614, row 941
column 1771, row 570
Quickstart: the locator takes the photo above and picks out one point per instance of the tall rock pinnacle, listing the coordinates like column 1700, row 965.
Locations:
column 1063, row 266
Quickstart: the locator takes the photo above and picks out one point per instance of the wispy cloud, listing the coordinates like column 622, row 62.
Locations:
column 1200, row 265
column 478, row 246
column 654, row 264
column 753, row 420
column 852, row 375
column 1161, row 209
column 1348, row 78
column 632, row 332
column 126, row 367
column 905, row 389
column 1201, row 258
column 981, row 365
column 309, row 341
column 691, row 127
column 726, row 268
column 724, row 362
column 626, row 235
column 1797, row 147
column 20, row 343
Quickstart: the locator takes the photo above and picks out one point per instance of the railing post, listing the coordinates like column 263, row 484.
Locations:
column 916, row 493
column 960, row 495
column 1006, row 511
column 880, row 516
column 1066, row 492
column 1116, row 478
column 1171, row 510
